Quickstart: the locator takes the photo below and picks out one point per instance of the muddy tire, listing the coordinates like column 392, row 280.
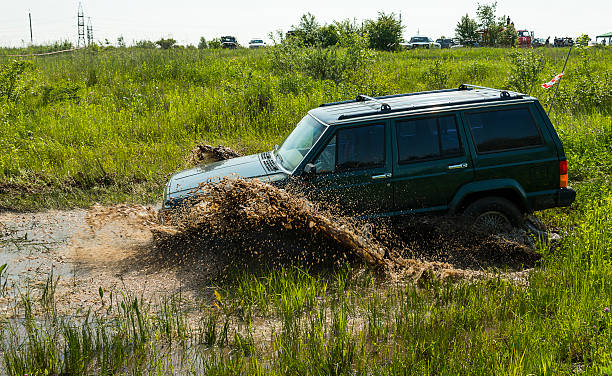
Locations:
column 494, row 214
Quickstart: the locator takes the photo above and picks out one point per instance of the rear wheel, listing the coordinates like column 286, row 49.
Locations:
column 494, row 214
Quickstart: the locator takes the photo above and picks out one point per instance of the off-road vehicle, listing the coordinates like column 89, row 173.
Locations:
column 490, row 154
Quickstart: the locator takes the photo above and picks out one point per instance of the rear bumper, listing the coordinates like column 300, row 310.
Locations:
column 566, row 196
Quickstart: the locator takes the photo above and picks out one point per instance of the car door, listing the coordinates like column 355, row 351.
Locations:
column 430, row 162
column 353, row 170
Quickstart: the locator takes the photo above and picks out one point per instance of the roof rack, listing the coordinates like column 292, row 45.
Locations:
column 384, row 107
column 502, row 93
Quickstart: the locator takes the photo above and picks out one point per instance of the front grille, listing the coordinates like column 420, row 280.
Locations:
column 266, row 160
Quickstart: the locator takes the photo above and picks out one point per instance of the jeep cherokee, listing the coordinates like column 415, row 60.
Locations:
column 490, row 154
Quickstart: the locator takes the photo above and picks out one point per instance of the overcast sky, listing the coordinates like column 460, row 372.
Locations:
column 188, row 20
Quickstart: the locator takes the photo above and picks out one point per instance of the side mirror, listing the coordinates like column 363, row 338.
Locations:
column 310, row 170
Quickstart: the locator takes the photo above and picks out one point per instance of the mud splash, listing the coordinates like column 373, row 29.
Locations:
column 249, row 222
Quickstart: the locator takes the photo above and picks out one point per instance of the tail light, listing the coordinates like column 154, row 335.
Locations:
column 563, row 174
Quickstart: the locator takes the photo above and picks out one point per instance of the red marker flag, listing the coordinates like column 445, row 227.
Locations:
column 553, row 81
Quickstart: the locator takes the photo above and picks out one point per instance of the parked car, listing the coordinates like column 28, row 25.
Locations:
column 229, row 42
column 257, row 43
column 420, row 42
column 466, row 43
column 490, row 154
column 445, row 43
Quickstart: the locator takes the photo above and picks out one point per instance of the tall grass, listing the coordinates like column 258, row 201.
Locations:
column 133, row 118
column 110, row 125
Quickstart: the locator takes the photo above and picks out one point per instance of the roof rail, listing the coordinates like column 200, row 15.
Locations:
column 384, row 107
column 502, row 93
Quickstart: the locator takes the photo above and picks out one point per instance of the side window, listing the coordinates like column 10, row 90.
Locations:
column 326, row 162
column 503, row 130
column 426, row 139
column 354, row 148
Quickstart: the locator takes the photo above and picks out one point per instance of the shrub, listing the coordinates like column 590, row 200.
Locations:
column 385, row 33
column 525, row 69
column 202, row 44
column 11, row 75
column 436, row 77
column 145, row 44
column 166, row 44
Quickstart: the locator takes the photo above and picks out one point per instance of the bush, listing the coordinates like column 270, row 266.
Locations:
column 11, row 75
column 145, row 44
column 385, row 34
column 166, row 44
column 525, row 69
column 202, row 45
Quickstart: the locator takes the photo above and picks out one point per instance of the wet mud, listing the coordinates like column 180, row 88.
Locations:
column 236, row 226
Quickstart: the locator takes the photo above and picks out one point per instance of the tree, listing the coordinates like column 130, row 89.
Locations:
column 121, row 42
column 145, row 44
column 203, row 44
column 466, row 29
column 385, row 33
column 491, row 28
column 166, row 44
column 328, row 36
column 307, row 30
column 214, row 43
column 583, row 41
column 508, row 36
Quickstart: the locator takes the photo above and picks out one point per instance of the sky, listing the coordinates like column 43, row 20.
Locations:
column 188, row 20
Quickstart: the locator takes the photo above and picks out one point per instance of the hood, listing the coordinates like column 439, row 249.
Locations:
column 184, row 182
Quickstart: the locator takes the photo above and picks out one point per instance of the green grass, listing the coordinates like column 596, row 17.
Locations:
column 133, row 118
column 110, row 125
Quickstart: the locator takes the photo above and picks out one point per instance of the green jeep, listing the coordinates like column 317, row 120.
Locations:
column 490, row 154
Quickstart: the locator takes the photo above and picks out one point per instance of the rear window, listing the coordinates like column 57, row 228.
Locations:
column 503, row 130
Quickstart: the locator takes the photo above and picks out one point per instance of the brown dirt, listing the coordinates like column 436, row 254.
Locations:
column 206, row 153
column 239, row 225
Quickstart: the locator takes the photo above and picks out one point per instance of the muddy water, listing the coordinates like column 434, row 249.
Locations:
column 236, row 225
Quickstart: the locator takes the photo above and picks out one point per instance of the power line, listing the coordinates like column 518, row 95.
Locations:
column 81, row 26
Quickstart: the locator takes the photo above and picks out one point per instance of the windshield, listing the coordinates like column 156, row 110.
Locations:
column 419, row 39
column 257, row 41
column 298, row 143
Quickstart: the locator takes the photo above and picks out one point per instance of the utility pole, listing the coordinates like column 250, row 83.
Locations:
column 31, row 37
column 81, row 27
column 89, row 32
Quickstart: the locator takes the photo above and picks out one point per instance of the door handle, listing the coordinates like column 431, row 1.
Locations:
column 458, row 166
column 382, row 176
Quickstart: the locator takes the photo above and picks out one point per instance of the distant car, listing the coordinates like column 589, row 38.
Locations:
column 257, row 43
column 445, row 43
column 420, row 42
column 466, row 43
column 538, row 42
column 229, row 42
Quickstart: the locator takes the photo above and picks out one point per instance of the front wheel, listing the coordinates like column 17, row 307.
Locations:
column 494, row 214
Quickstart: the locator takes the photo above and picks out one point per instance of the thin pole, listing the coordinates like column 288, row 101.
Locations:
column 559, row 82
column 31, row 37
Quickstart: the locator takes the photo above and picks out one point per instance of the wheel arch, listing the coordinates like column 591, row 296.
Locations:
column 507, row 188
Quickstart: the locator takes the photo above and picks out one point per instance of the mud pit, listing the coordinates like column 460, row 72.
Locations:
column 241, row 225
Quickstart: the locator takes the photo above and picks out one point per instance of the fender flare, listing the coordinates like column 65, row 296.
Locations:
column 485, row 186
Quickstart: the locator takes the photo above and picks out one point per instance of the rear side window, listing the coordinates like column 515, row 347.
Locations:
column 503, row 130
column 426, row 139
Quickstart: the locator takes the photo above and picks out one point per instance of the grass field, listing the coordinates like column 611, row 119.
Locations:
column 109, row 125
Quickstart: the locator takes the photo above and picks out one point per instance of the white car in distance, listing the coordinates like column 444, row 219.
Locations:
column 421, row 42
column 257, row 43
